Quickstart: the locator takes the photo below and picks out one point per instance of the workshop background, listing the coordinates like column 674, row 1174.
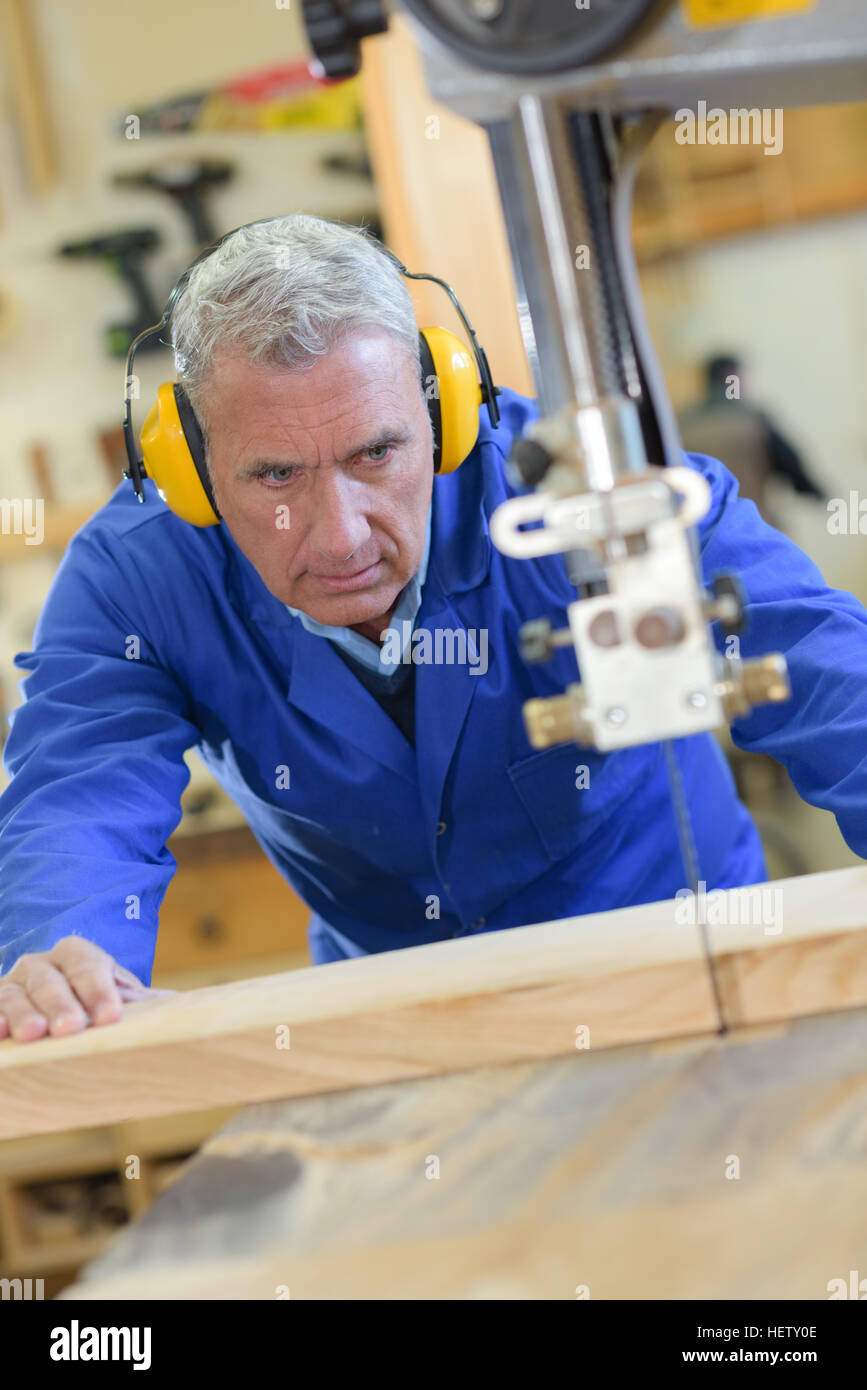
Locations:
column 761, row 256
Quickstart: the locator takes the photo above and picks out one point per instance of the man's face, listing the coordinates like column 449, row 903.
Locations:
column 324, row 477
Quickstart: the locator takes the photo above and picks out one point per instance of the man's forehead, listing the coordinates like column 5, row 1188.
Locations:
column 376, row 355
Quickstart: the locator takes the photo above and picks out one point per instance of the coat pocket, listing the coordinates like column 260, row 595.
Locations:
column 568, row 792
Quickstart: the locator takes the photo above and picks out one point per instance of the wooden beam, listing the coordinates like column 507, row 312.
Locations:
column 440, row 203
column 627, row 976
column 31, row 101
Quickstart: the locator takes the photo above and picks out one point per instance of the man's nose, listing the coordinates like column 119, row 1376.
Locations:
column 340, row 527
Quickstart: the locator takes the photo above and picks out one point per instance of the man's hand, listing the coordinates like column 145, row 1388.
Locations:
column 61, row 991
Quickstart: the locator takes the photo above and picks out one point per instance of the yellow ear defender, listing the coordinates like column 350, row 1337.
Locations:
column 173, row 449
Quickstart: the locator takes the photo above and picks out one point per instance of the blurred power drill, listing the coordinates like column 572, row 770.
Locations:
column 122, row 254
column 185, row 183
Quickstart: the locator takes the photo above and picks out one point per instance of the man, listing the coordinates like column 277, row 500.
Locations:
column 401, row 799
column 727, row 425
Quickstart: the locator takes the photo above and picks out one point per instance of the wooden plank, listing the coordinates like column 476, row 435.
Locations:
column 32, row 108
column 635, row 974
column 439, row 202
column 611, row 1172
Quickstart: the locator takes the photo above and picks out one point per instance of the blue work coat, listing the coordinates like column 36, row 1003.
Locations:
column 389, row 845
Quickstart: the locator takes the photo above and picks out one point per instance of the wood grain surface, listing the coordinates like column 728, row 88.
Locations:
column 626, row 976
column 603, row 1175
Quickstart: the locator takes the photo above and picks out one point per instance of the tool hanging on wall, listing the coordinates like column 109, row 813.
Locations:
column 186, row 182
column 122, row 254
column 284, row 96
column 357, row 166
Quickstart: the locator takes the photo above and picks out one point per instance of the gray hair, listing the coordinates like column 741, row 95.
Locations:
column 287, row 291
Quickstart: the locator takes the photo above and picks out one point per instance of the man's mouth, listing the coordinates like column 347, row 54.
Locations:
column 345, row 583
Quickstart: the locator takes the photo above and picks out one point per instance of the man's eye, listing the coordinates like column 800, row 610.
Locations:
column 268, row 472
column 378, row 453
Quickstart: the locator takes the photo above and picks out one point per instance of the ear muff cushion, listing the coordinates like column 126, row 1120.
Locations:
column 168, row 447
column 430, row 388
column 195, row 439
column 459, row 396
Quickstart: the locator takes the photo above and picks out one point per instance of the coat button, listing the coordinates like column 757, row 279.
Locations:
column 441, row 828
column 476, row 926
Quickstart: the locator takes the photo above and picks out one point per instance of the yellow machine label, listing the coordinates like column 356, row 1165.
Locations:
column 703, row 13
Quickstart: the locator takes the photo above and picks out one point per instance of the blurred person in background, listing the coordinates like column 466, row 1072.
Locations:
column 728, row 427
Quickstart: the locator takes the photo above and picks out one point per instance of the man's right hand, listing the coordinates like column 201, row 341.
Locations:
column 61, row 991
